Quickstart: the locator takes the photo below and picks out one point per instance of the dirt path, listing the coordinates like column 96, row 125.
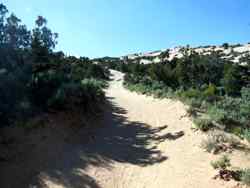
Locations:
column 143, row 143
column 163, row 151
column 155, row 148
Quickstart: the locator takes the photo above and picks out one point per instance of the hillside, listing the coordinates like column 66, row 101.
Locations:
column 234, row 53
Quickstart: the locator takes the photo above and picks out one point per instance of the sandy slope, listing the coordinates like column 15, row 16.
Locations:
column 142, row 143
column 233, row 53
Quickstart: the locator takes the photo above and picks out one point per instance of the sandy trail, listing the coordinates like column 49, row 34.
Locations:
column 148, row 144
column 142, row 143
column 172, row 157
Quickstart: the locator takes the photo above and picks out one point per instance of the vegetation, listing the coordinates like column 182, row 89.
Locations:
column 34, row 78
column 219, row 142
column 222, row 163
column 208, row 83
column 203, row 124
column 225, row 45
column 245, row 176
column 216, row 90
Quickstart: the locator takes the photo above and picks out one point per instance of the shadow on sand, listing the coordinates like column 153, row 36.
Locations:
column 116, row 140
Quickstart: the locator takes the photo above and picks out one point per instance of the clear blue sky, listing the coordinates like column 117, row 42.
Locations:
column 96, row 28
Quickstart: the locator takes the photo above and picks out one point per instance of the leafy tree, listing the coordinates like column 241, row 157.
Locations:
column 39, row 52
column 164, row 55
column 225, row 45
column 181, row 74
column 232, row 79
column 3, row 12
column 47, row 38
column 43, row 41
column 15, row 35
column 14, row 65
column 32, row 75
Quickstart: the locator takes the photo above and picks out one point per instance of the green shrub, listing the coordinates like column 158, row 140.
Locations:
column 160, row 93
column 245, row 177
column 236, row 130
column 210, row 91
column 92, row 89
column 44, row 85
column 225, row 45
column 14, row 94
column 195, row 103
column 244, row 113
column 216, row 113
column 31, row 124
column 192, row 93
column 191, row 111
column 217, row 142
column 210, row 145
column 58, row 99
column 230, row 110
column 86, row 93
column 246, row 134
column 203, row 124
column 157, row 86
column 245, row 94
column 87, row 69
column 53, row 87
column 222, row 163
column 232, row 79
